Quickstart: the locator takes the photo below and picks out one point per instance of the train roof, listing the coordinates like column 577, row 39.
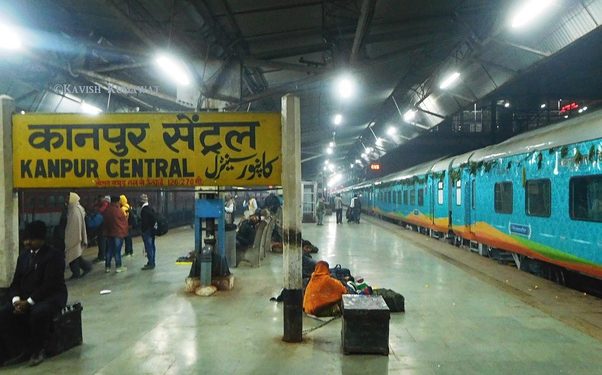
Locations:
column 462, row 159
column 583, row 128
column 419, row 169
column 442, row 164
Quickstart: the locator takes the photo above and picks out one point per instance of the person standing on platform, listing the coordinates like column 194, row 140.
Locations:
column 356, row 208
column 338, row 207
column 252, row 205
column 125, row 207
column 37, row 294
column 148, row 219
column 320, row 208
column 229, row 209
column 100, row 207
column 76, row 238
column 115, row 228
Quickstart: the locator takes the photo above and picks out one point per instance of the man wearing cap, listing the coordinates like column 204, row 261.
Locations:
column 38, row 293
column 148, row 219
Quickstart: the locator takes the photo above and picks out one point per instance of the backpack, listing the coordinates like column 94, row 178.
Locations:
column 161, row 226
column 94, row 220
column 133, row 219
column 394, row 300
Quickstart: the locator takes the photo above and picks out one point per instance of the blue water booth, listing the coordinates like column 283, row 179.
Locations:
column 209, row 233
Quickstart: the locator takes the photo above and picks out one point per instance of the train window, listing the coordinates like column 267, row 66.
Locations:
column 458, row 193
column 52, row 201
column 585, row 201
column 405, row 197
column 503, row 197
column 412, row 196
column 440, row 192
column 389, row 200
column 538, row 198
column 421, row 197
column 399, row 197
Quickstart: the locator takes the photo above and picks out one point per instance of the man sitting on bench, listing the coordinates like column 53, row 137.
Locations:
column 245, row 236
column 38, row 293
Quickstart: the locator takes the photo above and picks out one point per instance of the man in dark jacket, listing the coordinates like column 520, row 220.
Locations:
column 148, row 219
column 246, row 232
column 38, row 293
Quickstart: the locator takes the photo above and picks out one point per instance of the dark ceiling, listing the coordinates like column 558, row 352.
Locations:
column 244, row 55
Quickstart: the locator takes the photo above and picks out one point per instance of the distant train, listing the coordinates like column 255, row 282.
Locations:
column 536, row 197
column 48, row 205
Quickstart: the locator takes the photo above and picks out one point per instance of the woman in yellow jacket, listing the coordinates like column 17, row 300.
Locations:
column 125, row 207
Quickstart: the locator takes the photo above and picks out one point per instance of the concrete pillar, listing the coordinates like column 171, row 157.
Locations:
column 9, row 217
column 291, row 219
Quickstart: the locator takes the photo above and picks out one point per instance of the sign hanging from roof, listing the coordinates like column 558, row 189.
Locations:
column 146, row 150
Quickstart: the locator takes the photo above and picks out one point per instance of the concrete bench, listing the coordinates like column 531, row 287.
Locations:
column 266, row 238
column 252, row 254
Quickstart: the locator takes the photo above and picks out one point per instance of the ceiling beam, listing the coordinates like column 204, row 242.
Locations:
column 366, row 64
column 271, row 8
column 112, row 68
column 363, row 25
column 522, row 47
column 278, row 65
column 292, row 51
column 127, row 22
column 495, row 65
column 429, row 112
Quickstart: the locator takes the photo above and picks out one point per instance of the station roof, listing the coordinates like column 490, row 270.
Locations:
column 244, row 55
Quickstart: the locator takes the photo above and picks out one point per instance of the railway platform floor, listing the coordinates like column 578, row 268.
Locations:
column 464, row 315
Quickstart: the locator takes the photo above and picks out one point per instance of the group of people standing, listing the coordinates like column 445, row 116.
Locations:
column 112, row 219
column 353, row 214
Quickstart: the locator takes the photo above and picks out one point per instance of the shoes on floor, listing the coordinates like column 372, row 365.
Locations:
column 148, row 267
column 107, row 270
column 37, row 358
column 121, row 269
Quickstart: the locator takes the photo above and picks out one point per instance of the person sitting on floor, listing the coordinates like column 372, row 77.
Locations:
column 245, row 236
column 38, row 293
column 323, row 293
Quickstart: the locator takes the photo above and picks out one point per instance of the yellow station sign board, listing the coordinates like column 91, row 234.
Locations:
column 146, row 150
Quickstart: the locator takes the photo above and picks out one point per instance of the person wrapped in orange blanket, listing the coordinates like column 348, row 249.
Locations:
column 323, row 293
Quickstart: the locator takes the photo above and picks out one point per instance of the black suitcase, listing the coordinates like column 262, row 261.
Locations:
column 66, row 330
column 394, row 300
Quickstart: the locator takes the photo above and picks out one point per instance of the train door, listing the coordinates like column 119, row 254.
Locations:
column 469, row 203
column 432, row 184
